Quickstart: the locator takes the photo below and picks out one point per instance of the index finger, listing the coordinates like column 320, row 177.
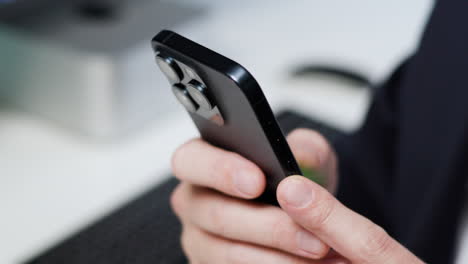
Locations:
column 202, row 164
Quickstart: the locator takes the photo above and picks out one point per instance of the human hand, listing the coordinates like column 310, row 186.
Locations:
column 218, row 227
column 221, row 228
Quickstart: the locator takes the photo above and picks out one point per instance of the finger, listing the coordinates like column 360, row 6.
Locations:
column 313, row 151
column 352, row 235
column 234, row 219
column 202, row 164
column 202, row 247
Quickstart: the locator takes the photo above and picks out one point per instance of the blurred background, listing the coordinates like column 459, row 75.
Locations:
column 87, row 121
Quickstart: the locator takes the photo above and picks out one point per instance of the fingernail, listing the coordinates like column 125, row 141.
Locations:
column 245, row 182
column 308, row 242
column 297, row 193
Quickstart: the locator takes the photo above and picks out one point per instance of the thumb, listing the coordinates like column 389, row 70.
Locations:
column 350, row 234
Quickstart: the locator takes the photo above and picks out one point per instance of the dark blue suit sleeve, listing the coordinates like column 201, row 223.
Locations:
column 367, row 157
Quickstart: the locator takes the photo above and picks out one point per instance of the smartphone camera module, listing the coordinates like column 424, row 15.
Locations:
column 184, row 98
column 170, row 68
column 189, row 89
column 198, row 92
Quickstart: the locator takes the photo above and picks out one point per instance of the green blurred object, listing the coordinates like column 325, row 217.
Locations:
column 313, row 175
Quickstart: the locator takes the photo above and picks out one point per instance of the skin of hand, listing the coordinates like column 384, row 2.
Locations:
column 221, row 225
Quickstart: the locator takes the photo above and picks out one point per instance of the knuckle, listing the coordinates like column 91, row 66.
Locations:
column 175, row 161
column 217, row 216
column 176, row 157
column 298, row 133
column 321, row 149
column 309, row 134
column 280, row 229
column 322, row 142
column 376, row 243
column 222, row 170
column 176, row 199
column 301, row 133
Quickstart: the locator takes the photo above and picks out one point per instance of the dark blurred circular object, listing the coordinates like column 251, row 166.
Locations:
column 97, row 10
column 352, row 76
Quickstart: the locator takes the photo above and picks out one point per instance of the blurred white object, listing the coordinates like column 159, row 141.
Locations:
column 88, row 69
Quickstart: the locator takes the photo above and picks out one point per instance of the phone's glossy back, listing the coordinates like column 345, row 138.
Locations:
column 248, row 125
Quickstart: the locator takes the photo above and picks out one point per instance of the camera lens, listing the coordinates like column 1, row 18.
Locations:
column 184, row 97
column 198, row 92
column 170, row 68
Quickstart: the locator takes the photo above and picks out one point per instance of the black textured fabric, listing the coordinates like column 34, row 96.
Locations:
column 144, row 231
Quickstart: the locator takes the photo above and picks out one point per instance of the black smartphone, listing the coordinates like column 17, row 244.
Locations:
column 227, row 106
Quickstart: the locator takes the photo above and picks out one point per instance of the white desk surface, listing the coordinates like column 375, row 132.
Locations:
column 52, row 182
